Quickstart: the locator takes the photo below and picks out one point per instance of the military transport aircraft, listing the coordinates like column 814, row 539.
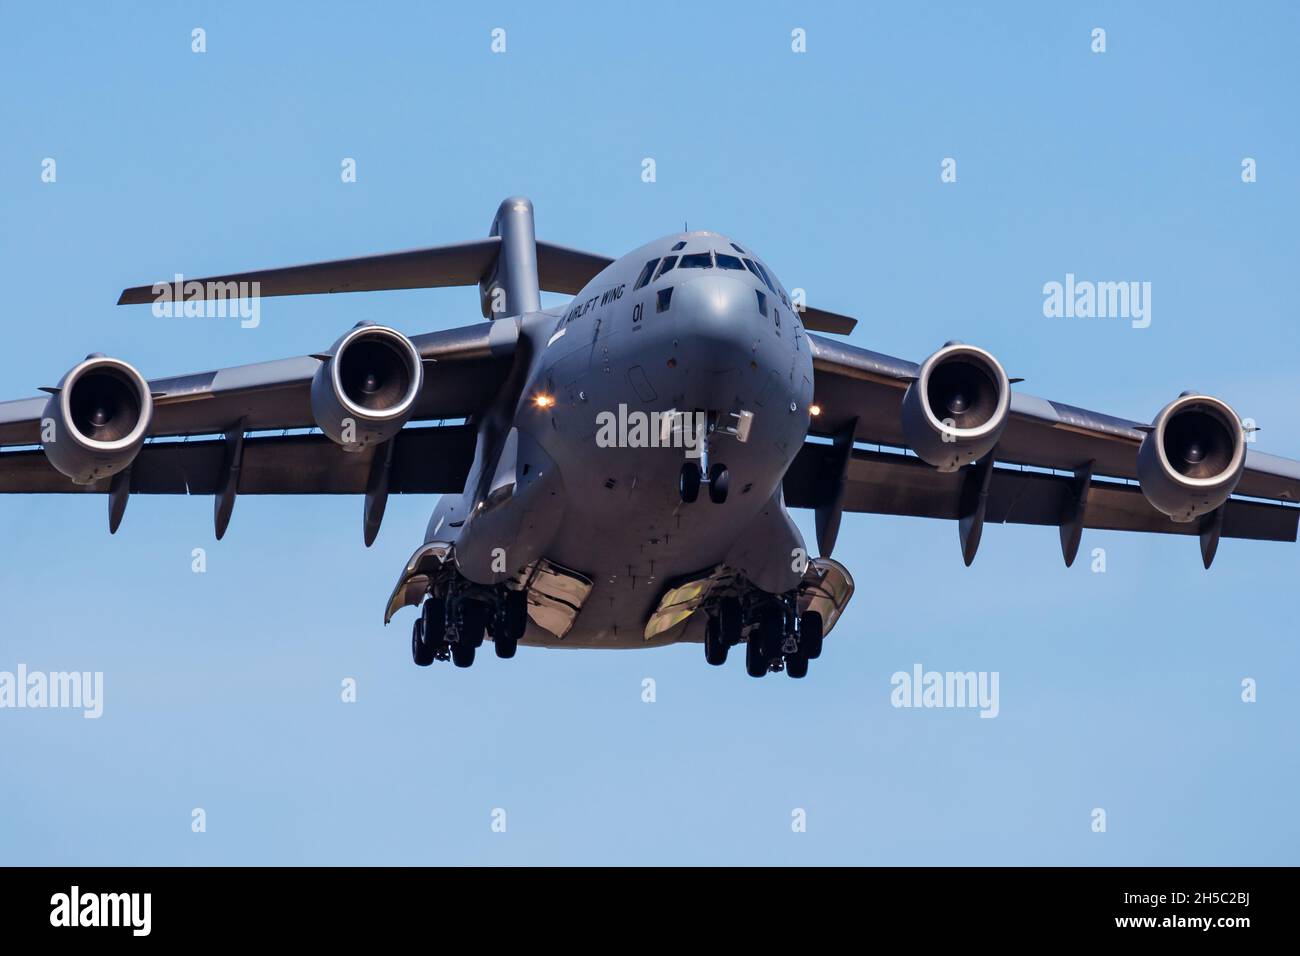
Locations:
column 617, row 472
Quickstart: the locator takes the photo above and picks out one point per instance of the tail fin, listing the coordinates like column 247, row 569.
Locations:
column 511, row 287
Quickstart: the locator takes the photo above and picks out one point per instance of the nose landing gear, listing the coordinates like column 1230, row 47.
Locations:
column 688, row 483
column 719, row 482
column 711, row 426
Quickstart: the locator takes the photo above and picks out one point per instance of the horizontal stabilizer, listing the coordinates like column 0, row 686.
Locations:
column 435, row 267
column 560, row 269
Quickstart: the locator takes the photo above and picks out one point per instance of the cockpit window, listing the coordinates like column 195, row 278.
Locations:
column 666, row 266
column 698, row 260
column 679, row 246
column 646, row 273
column 759, row 271
column 729, row 262
column 738, row 249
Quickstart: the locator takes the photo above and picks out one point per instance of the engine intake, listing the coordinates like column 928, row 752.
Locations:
column 1190, row 461
column 100, row 415
column 955, row 410
column 367, row 386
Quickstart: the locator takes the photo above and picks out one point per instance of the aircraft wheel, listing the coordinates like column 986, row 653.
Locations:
column 421, row 652
column 433, row 617
column 730, row 619
column 719, row 483
column 462, row 655
column 810, row 634
column 796, row 665
column 715, row 649
column 474, row 618
column 771, row 629
column 516, row 614
column 688, row 483
column 755, row 662
column 505, row 645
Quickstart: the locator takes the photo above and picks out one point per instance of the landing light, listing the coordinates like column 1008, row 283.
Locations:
column 814, row 410
column 543, row 401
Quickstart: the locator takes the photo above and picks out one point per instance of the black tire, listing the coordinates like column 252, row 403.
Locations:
column 731, row 619
column 796, row 665
column 715, row 649
column 719, row 483
column 688, row 482
column 421, row 651
column 516, row 614
column 810, row 634
column 755, row 662
column 474, row 617
column 462, row 655
column 771, row 629
column 505, row 646
column 434, row 616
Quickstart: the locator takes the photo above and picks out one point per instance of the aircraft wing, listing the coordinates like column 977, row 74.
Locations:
column 197, row 417
column 1073, row 454
column 426, row 460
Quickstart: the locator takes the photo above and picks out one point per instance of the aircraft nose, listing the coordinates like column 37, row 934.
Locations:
column 715, row 319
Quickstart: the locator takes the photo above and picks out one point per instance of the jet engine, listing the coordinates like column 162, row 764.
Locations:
column 955, row 410
column 1192, row 458
column 366, row 387
column 96, row 419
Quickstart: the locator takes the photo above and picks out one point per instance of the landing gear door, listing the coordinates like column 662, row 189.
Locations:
column 503, row 479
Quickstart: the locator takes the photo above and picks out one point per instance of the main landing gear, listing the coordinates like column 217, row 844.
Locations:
column 452, row 625
column 775, row 635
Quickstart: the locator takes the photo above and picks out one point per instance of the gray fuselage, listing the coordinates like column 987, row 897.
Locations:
column 570, row 467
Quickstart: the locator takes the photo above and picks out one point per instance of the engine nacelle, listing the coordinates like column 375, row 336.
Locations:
column 97, row 419
column 367, row 386
column 1193, row 457
column 955, row 410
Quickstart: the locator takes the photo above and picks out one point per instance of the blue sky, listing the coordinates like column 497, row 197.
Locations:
column 1119, row 690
